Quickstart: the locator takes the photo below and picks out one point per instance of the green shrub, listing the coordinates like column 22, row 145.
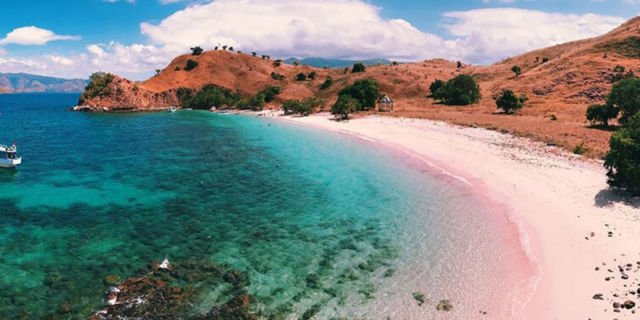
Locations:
column 191, row 64
column 304, row 107
column 196, row 51
column 580, row 149
column 601, row 114
column 98, row 86
column 460, row 91
column 623, row 160
column 517, row 70
column 508, row 102
column 345, row 106
column 277, row 76
column 435, row 86
column 625, row 96
column 365, row 91
column 301, row 77
column 209, row 95
column 312, row 75
column 326, row 84
column 545, row 59
column 277, row 63
column 358, row 67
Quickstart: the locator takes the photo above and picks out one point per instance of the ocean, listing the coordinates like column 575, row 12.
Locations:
column 321, row 225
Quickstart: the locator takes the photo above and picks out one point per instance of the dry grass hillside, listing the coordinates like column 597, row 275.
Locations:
column 560, row 81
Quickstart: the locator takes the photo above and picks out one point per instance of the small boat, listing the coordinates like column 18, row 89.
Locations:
column 172, row 109
column 9, row 157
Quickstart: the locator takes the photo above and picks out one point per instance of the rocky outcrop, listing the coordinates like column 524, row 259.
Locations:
column 122, row 95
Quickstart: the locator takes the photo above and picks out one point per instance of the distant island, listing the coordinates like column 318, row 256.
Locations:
column 27, row 83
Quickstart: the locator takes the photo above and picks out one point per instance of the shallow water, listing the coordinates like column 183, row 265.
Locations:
column 319, row 221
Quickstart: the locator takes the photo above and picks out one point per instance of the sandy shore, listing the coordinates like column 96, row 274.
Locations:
column 571, row 223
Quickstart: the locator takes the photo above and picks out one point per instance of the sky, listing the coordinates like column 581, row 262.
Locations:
column 132, row 38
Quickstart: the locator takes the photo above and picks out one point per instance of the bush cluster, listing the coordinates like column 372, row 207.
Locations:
column 304, row 107
column 98, row 86
column 460, row 91
column 361, row 95
column 509, row 102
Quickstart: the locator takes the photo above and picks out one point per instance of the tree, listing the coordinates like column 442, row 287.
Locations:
column 301, row 77
column 508, row 102
column 312, row 75
column 196, row 51
column 158, row 71
column 460, row 91
column 345, row 106
column 459, row 65
column 623, row 160
column 277, row 63
column 601, row 114
column 216, row 48
column 98, row 86
column 191, row 64
column 365, row 91
column 545, row 59
column 254, row 54
column 224, row 47
column 434, row 87
column 327, row 83
column 295, row 63
column 358, row 67
column 517, row 70
column 277, row 76
column 625, row 96
column 304, row 107
column 230, row 48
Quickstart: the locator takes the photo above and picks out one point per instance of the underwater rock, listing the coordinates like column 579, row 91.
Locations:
column 161, row 293
column 419, row 297
column 444, row 305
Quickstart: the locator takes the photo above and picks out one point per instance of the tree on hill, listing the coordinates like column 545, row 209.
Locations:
column 623, row 160
column 327, row 83
column 230, row 48
column 254, row 54
column 196, row 51
column 358, row 67
column 600, row 114
column 434, row 87
column 509, row 102
column 345, row 106
column 459, row 65
column 312, row 75
column 98, row 86
column 277, row 76
column 191, row 64
column 517, row 70
column 301, row 77
column 365, row 91
column 625, row 96
column 460, row 91
column 224, row 47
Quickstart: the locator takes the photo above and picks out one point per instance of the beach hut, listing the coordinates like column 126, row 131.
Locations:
column 385, row 104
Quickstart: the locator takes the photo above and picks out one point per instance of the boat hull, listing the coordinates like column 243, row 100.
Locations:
column 10, row 163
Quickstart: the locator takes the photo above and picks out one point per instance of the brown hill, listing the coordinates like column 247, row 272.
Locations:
column 560, row 81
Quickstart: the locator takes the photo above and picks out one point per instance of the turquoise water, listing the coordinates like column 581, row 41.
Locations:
column 106, row 194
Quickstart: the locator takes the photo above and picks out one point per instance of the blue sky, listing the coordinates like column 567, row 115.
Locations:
column 134, row 37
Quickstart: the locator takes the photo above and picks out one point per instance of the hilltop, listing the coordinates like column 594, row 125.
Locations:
column 560, row 81
column 23, row 83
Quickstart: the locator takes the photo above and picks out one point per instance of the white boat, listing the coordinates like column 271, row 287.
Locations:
column 9, row 157
column 172, row 109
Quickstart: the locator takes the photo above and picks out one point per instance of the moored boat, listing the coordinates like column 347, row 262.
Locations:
column 9, row 157
column 172, row 109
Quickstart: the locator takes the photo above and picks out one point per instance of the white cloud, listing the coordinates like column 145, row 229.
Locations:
column 331, row 29
column 33, row 36
column 487, row 35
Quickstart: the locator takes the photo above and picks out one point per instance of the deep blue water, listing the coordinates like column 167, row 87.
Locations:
column 106, row 194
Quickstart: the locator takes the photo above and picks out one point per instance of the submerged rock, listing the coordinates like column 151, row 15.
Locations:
column 444, row 305
column 170, row 292
column 419, row 297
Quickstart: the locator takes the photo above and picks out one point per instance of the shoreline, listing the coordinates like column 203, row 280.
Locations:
column 559, row 203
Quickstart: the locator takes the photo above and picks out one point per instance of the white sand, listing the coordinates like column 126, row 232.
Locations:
column 557, row 198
